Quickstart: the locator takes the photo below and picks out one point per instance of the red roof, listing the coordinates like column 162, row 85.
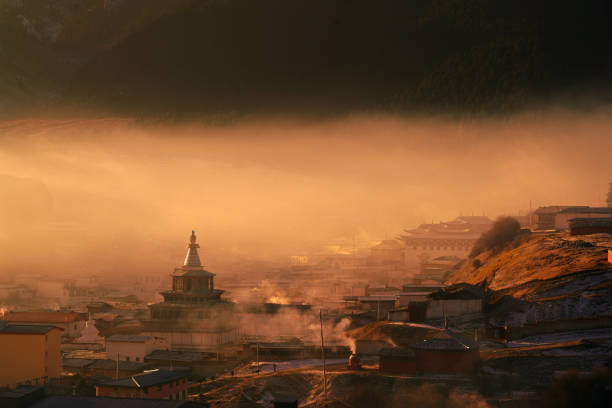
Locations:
column 26, row 329
column 43, row 317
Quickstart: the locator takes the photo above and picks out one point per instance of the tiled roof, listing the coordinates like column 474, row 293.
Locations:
column 109, row 364
column 591, row 221
column 474, row 219
column 76, row 362
column 128, row 338
column 184, row 271
column 445, row 341
column 587, row 210
column 43, row 317
column 25, row 328
column 551, row 209
column 462, row 291
column 182, row 356
column 148, row 379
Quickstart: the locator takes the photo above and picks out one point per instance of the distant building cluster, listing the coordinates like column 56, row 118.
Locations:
column 453, row 238
column 140, row 350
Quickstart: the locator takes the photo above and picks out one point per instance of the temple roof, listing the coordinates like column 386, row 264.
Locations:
column 464, row 227
column 192, row 272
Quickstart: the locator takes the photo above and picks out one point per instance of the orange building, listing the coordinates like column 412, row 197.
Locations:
column 30, row 354
column 71, row 322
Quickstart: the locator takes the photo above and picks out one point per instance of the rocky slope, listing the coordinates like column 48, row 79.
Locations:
column 536, row 257
column 543, row 278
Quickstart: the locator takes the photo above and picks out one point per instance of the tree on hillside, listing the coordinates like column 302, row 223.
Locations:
column 504, row 231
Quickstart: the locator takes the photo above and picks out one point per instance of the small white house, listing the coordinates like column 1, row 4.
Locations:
column 457, row 300
column 133, row 347
column 438, row 308
column 557, row 217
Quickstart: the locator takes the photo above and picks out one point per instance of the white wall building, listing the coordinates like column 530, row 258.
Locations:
column 133, row 347
column 438, row 308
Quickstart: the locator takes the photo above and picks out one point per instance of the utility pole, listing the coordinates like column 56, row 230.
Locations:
column 117, row 367
column 257, row 358
column 323, row 353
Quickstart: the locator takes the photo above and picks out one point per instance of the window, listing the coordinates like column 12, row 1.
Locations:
column 127, row 358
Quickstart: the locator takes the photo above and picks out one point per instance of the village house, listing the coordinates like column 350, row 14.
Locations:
column 71, row 323
column 437, row 269
column 455, row 300
column 31, row 351
column 155, row 384
column 380, row 304
column 198, row 363
column 133, row 347
column 586, row 226
column 34, row 396
column 558, row 217
column 388, row 252
column 90, row 363
column 442, row 353
column 15, row 293
column 405, row 298
column 427, row 286
column 419, row 306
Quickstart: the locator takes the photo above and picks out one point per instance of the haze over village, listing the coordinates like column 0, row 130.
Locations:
column 183, row 250
column 305, row 203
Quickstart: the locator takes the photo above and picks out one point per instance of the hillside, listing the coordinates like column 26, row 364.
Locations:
column 552, row 277
column 322, row 56
column 305, row 56
column 537, row 257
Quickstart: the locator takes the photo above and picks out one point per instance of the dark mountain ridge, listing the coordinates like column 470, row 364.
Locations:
column 340, row 55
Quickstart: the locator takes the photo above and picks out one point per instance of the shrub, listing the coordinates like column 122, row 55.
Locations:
column 504, row 231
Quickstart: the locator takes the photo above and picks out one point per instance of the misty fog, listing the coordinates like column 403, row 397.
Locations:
column 117, row 196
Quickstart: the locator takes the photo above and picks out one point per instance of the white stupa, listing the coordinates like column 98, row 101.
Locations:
column 90, row 334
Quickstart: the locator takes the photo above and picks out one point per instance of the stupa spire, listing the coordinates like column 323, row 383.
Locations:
column 192, row 258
